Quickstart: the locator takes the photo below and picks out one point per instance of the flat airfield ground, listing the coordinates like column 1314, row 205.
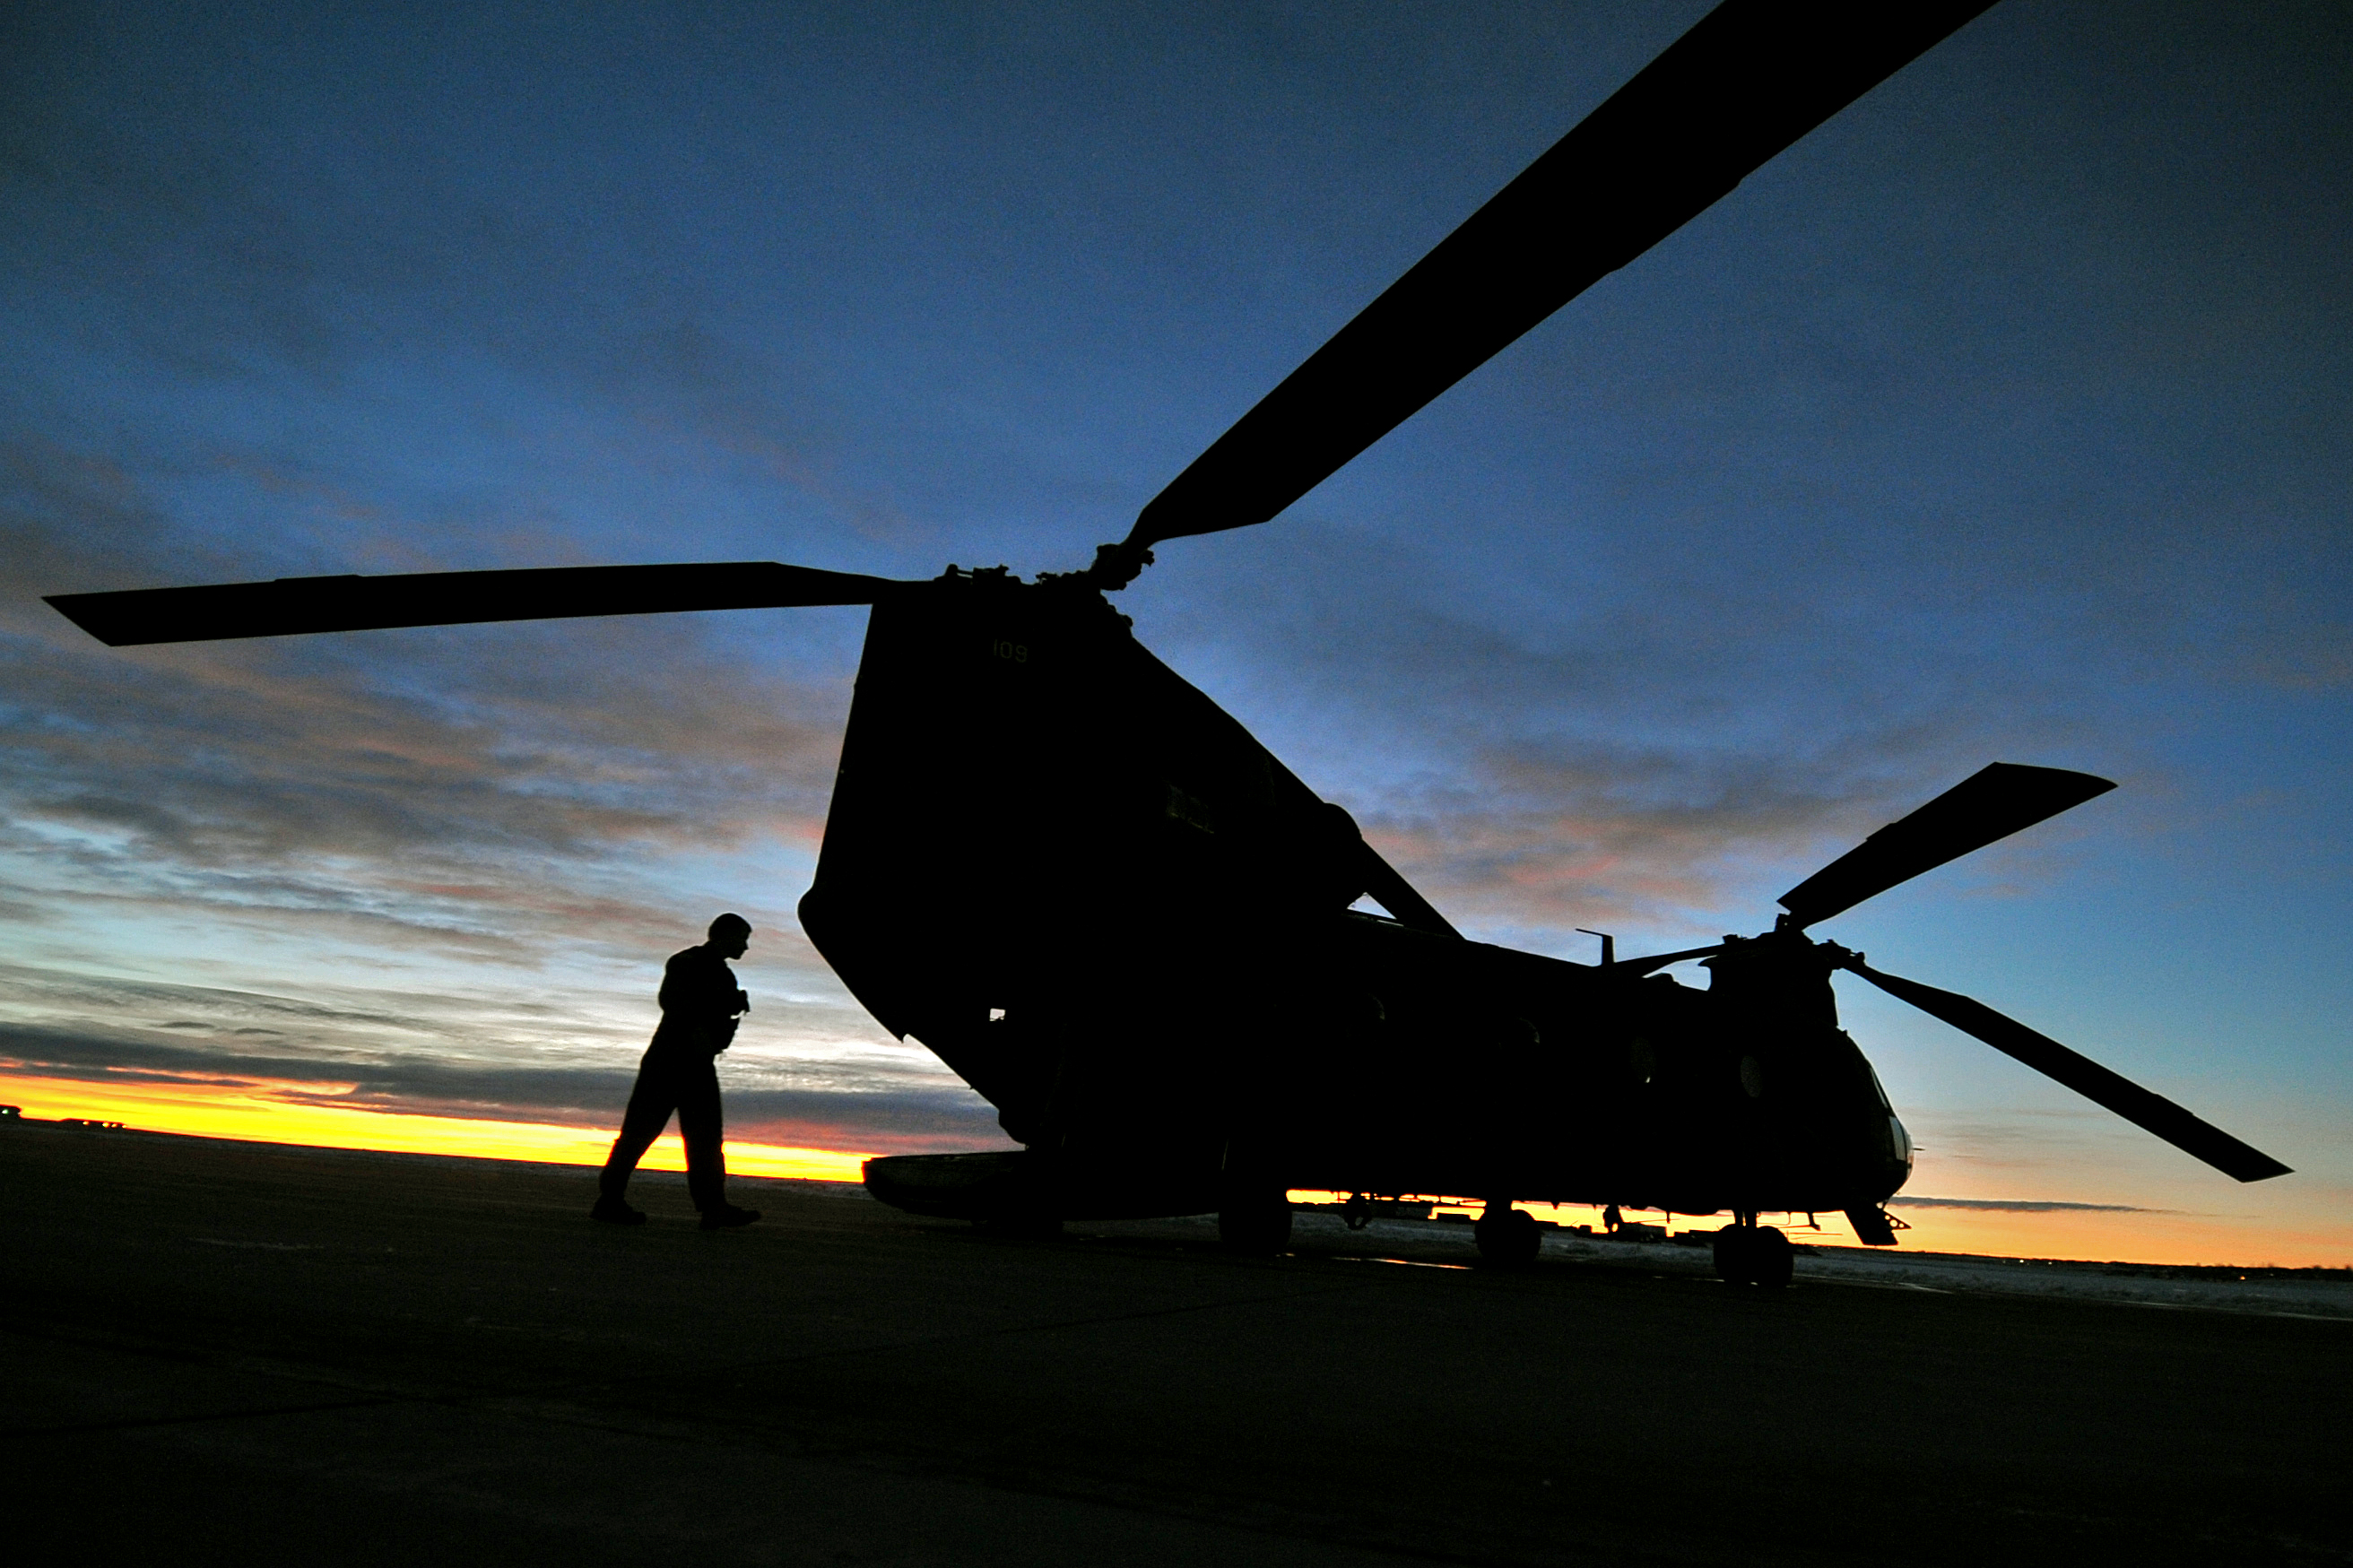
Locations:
column 222, row 1352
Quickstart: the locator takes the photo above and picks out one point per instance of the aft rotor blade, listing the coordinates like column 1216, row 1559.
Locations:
column 2151, row 1113
column 1752, row 78
column 293, row 604
column 1990, row 805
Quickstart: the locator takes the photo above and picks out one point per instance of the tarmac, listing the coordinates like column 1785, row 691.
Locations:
column 221, row 1352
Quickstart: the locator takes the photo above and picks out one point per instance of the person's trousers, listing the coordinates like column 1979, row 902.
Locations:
column 689, row 1085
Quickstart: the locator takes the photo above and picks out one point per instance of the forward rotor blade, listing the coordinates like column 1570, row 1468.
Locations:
column 1752, row 78
column 352, row 604
column 1990, row 805
column 2151, row 1113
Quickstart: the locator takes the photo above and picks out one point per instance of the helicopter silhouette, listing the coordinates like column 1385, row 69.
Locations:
column 1128, row 926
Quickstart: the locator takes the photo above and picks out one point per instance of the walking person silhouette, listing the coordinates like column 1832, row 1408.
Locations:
column 700, row 1005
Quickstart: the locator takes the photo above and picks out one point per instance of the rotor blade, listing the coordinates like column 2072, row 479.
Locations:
column 351, row 603
column 2151, row 1113
column 1991, row 804
column 1749, row 80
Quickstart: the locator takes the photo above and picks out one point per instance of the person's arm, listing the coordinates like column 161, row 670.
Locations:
column 697, row 985
column 699, row 998
column 685, row 987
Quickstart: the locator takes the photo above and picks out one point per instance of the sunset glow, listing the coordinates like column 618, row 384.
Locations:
column 250, row 1114
column 1991, row 1232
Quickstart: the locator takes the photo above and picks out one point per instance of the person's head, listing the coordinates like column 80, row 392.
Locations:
column 731, row 934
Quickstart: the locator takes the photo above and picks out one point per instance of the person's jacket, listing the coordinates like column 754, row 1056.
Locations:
column 700, row 1000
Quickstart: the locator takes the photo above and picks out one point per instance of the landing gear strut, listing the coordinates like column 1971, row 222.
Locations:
column 1507, row 1238
column 1749, row 1254
column 1255, row 1225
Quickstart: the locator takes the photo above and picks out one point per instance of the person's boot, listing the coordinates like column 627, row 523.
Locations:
column 727, row 1216
column 616, row 1210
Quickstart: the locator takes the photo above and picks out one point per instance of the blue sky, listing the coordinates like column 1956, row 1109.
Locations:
column 2004, row 417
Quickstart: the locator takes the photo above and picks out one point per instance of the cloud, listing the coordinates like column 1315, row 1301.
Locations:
column 474, row 788
column 1548, row 835
column 1535, row 837
column 1539, row 747
column 2015, row 1205
column 894, row 1098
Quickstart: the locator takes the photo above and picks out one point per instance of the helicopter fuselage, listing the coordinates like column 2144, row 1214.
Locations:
column 1127, row 924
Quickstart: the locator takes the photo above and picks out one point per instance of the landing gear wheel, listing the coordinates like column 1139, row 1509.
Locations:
column 1773, row 1258
column 1753, row 1255
column 1509, row 1240
column 1256, row 1226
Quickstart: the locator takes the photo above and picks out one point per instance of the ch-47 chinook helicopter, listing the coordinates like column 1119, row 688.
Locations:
column 1125, row 923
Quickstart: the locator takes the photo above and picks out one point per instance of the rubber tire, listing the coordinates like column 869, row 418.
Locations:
column 1255, row 1228
column 1771, row 1258
column 1510, row 1240
column 1736, row 1255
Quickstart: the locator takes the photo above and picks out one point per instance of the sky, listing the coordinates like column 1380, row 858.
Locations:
column 2004, row 417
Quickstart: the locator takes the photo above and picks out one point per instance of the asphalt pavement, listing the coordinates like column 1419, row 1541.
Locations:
column 220, row 1351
